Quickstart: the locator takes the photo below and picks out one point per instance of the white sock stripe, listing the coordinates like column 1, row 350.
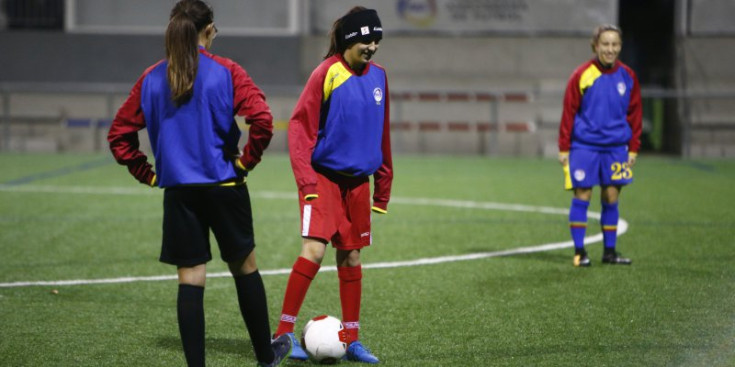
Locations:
column 352, row 325
column 306, row 222
column 288, row 318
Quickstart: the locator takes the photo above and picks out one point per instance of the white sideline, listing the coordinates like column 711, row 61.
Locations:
column 622, row 228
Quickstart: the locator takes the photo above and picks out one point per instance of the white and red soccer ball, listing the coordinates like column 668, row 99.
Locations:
column 325, row 339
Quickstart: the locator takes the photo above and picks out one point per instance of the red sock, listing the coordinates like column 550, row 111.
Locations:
column 350, row 294
column 302, row 273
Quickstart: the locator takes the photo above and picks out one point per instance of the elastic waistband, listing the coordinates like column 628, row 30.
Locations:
column 338, row 176
column 228, row 183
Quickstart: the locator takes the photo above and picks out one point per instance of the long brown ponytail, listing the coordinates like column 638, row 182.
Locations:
column 188, row 18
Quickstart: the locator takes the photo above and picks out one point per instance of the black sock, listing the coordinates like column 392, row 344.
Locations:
column 254, row 310
column 190, row 311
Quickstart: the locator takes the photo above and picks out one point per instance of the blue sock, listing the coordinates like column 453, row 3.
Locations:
column 609, row 222
column 578, row 223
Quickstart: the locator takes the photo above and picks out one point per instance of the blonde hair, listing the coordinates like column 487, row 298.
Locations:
column 602, row 29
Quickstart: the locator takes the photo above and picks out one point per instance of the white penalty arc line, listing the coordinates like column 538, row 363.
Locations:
column 622, row 228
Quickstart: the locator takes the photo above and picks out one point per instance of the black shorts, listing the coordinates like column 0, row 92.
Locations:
column 189, row 212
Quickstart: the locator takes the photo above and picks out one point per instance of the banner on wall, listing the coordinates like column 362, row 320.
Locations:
column 476, row 16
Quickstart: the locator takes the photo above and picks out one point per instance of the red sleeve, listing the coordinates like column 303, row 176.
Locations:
column 383, row 177
column 572, row 99
column 249, row 101
column 123, row 135
column 302, row 131
column 635, row 114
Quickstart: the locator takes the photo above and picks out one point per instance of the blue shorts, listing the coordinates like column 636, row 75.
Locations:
column 588, row 168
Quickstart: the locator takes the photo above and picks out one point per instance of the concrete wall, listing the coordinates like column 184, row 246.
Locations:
column 36, row 120
column 536, row 66
column 474, row 63
column 51, row 57
column 710, row 129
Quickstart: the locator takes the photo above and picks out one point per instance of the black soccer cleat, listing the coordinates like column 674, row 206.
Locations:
column 581, row 260
column 281, row 350
column 614, row 258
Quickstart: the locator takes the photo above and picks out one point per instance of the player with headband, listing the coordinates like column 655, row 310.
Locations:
column 338, row 137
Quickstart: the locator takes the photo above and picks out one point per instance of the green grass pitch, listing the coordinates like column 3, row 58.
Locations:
column 82, row 217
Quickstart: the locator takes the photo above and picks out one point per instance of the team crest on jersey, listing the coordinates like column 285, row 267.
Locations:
column 378, row 95
column 579, row 175
column 621, row 88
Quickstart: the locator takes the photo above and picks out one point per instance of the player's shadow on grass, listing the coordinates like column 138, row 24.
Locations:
column 241, row 347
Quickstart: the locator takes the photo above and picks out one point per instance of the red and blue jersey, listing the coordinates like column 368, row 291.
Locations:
column 602, row 108
column 341, row 124
column 196, row 142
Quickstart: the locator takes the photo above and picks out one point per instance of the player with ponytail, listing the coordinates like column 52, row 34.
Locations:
column 188, row 102
column 182, row 53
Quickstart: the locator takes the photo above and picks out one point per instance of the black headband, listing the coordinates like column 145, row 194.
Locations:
column 363, row 26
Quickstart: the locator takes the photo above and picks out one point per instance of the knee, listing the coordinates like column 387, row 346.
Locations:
column 313, row 250
column 194, row 275
column 349, row 258
column 244, row 266
column 610, row 195
column 609, row 200
column 583, row 194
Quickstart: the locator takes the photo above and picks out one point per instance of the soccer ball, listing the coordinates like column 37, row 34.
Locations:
column 324, row 339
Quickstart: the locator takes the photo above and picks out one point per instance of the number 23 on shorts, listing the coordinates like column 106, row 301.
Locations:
column 621, row 171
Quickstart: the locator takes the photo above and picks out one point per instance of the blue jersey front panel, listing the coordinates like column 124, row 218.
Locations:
column 601, row 121
column 351, row 122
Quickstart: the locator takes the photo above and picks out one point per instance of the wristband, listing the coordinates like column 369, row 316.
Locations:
column 379, row 210
column 240, row 165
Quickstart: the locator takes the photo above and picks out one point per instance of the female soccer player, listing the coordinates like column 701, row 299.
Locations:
column 188, row 102
column 599, row 137
column 339, row 136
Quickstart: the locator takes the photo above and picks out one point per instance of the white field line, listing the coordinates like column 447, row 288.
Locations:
column 622, row 228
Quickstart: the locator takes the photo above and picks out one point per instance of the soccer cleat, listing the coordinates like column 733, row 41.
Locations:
column 581, row 260
column 615, row 258
column 296, row 351
column 281, row 350
column 358, row 353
